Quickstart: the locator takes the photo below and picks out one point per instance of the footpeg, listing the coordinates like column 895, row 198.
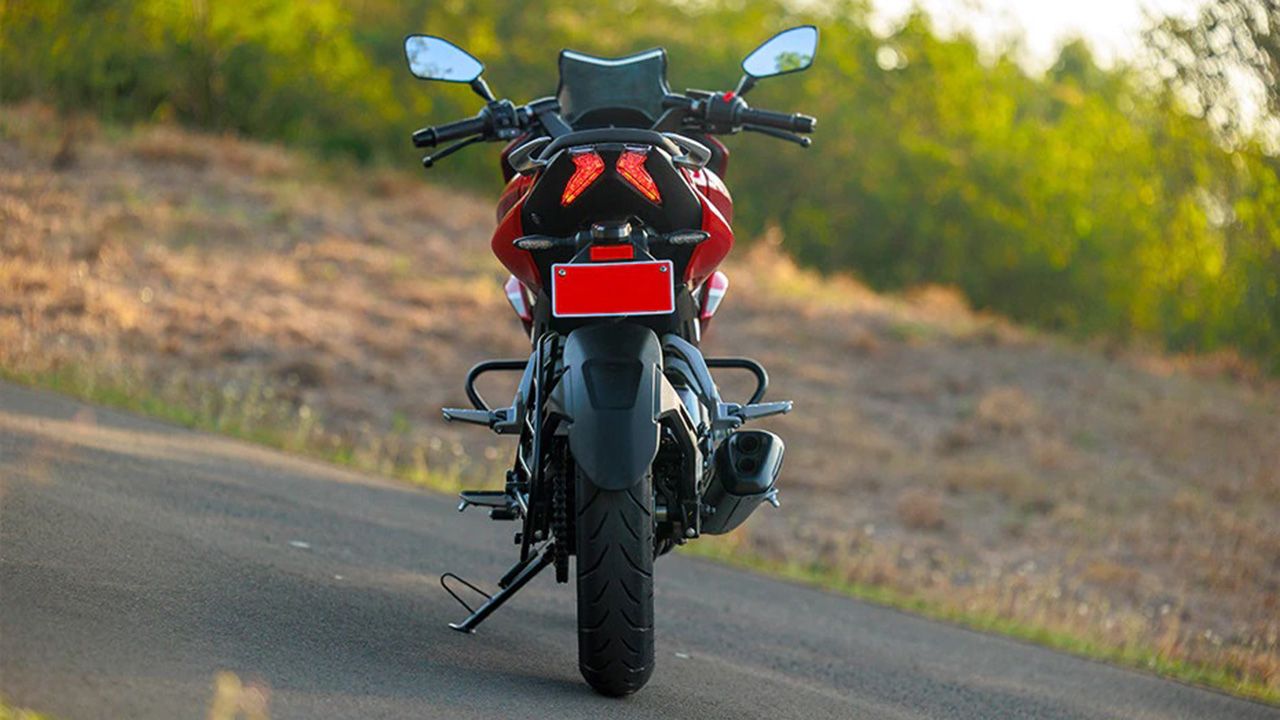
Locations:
column 475, row 417
column 503, row 421
column 502, row 506
column 755, row 411
column 500, row 420
column 484, row 498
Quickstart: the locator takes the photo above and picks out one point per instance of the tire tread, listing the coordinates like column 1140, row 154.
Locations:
column 615, row 587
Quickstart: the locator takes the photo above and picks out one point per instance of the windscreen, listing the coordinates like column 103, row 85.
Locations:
column 627, row 91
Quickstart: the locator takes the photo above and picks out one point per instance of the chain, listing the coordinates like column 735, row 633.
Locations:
column 560, row 522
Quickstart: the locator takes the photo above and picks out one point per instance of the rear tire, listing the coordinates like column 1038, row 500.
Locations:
column 614, row 534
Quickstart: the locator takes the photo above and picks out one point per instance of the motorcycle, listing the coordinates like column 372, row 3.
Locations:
column 612, row 224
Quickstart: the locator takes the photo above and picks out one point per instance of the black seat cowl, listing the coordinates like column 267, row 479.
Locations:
column 598, row 136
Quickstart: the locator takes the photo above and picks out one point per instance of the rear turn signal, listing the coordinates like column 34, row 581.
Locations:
column 588, row 166
column 631, row 167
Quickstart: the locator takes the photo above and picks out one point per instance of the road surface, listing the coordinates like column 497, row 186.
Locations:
column 138, row 561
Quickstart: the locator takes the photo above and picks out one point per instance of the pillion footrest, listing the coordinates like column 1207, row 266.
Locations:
column 501, row 420
column 731, row 416
column 502, row 505
column 485, row 498
column 755, row 411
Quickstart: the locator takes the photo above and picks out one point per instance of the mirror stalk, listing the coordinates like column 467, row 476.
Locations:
column 481, row 88
column 744, row 85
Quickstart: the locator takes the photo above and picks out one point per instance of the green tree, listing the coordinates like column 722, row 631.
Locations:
column 1083, row 199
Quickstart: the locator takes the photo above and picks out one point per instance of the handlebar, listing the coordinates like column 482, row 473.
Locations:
column 711, row 112
column 432, row 136
column 677, row 101
column 793, row 122
column 728, row 112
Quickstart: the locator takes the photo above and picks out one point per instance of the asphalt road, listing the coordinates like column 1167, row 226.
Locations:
column 137, row 561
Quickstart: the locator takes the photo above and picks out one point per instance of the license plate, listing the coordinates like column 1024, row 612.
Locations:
column 604, row 289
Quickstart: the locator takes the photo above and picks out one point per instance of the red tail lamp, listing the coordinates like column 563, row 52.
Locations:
column 588, row 166
column 631, row 167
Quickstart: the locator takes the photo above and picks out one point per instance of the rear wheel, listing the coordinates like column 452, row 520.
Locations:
column 614, row 534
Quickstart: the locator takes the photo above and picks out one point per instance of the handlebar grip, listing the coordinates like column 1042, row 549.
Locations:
column 431, row 136
column 782, row 121
column 672, row 100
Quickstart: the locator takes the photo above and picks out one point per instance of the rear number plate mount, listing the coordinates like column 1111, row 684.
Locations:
column 612, row 289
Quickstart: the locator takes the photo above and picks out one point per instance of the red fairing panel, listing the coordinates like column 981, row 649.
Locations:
column 712, row 251
column 518, row 262
column 717, row 211
column 718, row 147
column 513, row 193
column 711, row 187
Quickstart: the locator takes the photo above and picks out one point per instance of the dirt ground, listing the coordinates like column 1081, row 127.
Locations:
column 1105, row 491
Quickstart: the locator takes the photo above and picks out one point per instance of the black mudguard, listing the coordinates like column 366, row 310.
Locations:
column 613, row 393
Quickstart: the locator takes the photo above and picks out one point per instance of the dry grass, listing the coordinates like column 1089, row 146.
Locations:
column 939, row 453
column 920, row 510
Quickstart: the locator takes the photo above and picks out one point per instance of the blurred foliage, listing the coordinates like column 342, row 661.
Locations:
column 1230, row 46
column 1085, row 200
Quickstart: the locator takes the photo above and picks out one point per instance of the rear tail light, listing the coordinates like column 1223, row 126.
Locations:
column 588, row 166
column 631, row 167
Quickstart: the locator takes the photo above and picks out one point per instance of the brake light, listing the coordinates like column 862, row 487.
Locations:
column 631, row 168
column 588, row 166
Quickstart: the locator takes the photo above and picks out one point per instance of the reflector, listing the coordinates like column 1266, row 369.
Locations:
column 600, row 253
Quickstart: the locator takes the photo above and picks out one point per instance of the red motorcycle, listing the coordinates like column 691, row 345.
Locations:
column 612, row 224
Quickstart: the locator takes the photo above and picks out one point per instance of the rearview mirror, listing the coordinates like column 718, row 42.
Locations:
column 787, row 52
column 433, row 58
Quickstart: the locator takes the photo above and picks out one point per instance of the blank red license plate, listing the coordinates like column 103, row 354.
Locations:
column 626, row 288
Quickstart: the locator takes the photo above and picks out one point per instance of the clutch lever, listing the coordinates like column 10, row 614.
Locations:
column 429, row 160
column 800, row 140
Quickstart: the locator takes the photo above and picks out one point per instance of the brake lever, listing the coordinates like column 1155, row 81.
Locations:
column 800, row 140
column 429, row 160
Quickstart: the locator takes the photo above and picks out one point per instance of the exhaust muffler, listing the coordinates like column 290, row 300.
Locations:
column 746, row 467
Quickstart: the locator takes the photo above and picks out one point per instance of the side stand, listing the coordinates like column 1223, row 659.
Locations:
column 517, row 577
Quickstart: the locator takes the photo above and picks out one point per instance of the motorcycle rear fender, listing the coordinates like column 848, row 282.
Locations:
column 614, row 394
